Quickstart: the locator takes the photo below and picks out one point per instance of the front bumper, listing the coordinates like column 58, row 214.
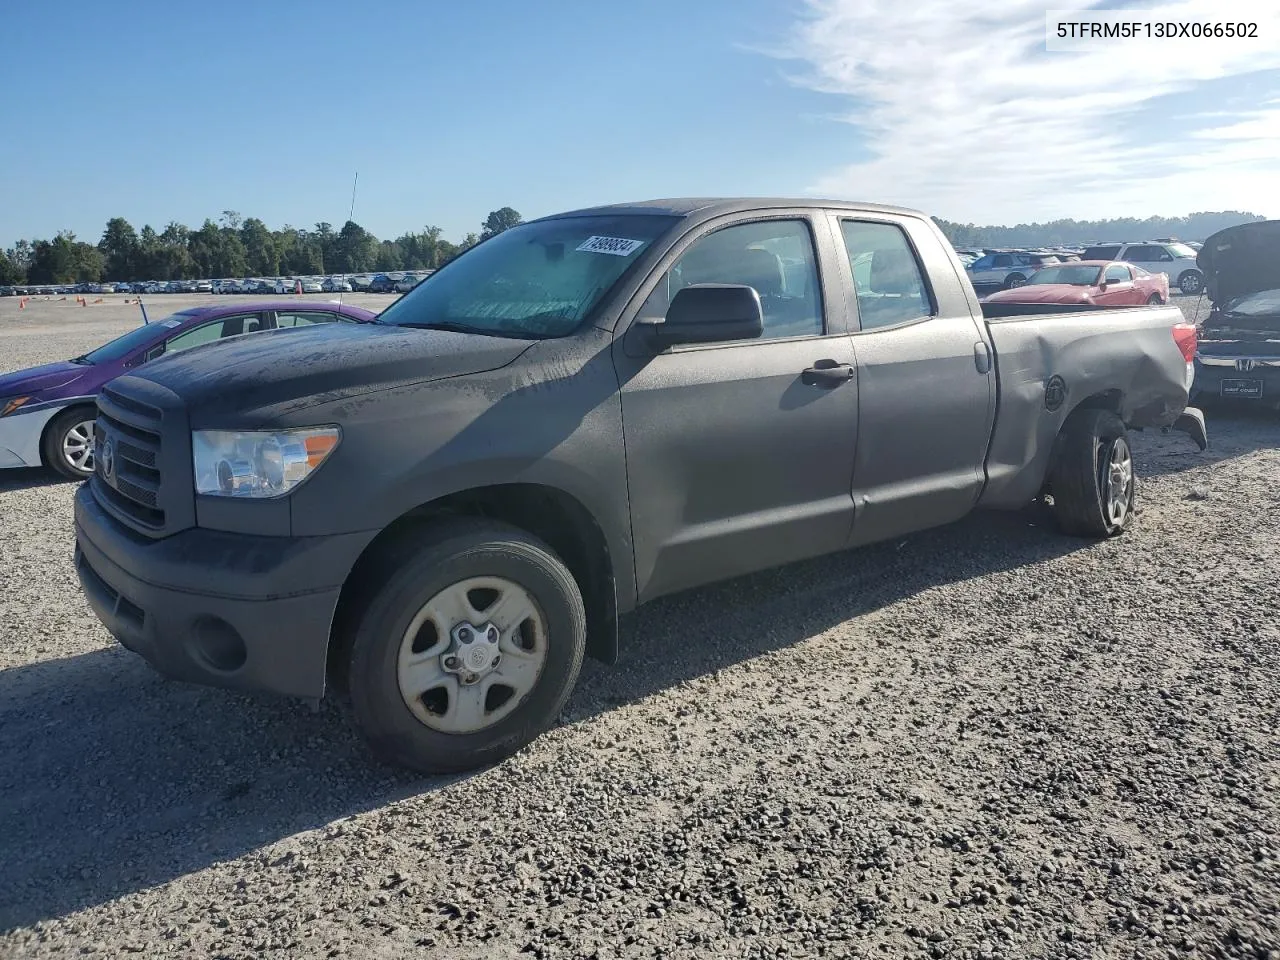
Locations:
column 20, row 434
column 220, row 609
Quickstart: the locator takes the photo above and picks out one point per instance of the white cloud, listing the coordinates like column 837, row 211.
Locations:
column 964, row 113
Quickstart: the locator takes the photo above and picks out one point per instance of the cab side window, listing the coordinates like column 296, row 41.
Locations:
column 775, row 257
column 894, row 290
column 207, row 333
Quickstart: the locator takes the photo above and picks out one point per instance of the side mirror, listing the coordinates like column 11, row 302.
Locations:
column 1102, row 284
column 709, row 313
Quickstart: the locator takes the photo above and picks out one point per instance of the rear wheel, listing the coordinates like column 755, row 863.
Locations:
column 468, row 650
column 1093, row 482
column 1191, row 282
column 1154, row 300
column 1014, row 280
column 68, row 443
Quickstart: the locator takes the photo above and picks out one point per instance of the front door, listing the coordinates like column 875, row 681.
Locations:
column 925, row 382
column 1120, row 290
column 737, row 459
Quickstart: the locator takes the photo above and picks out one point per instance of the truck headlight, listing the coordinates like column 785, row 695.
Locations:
column 258, row 463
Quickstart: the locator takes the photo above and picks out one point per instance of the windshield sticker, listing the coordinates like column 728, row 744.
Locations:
column 616, row 246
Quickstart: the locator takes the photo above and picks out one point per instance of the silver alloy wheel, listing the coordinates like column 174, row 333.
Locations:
column 77, row 447
column 1017, row 282
column 1117, row 485
column 472, row 667
column 1190, row 283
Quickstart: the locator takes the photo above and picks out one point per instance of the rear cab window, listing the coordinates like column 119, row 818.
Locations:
column 889, row 284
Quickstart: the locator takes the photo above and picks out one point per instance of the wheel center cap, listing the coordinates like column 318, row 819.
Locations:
column 478, row 657
column 474, row 652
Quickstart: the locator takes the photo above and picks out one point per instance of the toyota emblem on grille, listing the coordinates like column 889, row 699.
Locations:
column 1244, row 366
column 108, row 459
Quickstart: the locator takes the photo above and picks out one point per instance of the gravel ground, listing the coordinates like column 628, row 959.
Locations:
column 983, row 741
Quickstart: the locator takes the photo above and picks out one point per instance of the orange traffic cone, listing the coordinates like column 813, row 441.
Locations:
column 22, row 304
column 297, row 286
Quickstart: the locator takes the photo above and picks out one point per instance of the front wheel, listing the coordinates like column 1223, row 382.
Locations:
column 68, row 443
column 1014, row 280
column 1154, row 300
column 1093, row 482
column 468, row 650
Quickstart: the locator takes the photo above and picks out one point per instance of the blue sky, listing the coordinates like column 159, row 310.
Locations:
column 177, row 111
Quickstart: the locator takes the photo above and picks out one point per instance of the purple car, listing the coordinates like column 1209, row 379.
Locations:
column 47, row 412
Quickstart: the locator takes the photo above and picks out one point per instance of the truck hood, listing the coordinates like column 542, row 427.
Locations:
column 331, row 361
column 48, row 376
column 1241, row 260
column 1043, row 293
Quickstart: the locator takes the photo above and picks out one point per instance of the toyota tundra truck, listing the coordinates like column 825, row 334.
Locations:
column 440, row 513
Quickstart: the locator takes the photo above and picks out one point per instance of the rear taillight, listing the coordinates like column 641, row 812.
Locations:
column 1187, row 339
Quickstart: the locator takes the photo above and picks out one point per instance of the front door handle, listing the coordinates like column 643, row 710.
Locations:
column 827, row 374
column 982, row 357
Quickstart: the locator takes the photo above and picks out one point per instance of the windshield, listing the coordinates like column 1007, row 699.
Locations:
column 1181, row 250
column 1077, row 275
column 135, row 338
column 535, row 280
column 1264, row 303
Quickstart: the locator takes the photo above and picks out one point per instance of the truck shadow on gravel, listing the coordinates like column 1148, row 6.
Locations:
column 27, row 478
column 114, row 781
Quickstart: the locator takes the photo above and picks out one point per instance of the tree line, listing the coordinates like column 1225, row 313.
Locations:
column 1196, row 226
column 235, row 246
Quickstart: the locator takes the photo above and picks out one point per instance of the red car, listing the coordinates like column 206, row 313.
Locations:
column 1102, row 282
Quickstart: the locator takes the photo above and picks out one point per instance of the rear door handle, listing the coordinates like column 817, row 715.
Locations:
column 827, row 374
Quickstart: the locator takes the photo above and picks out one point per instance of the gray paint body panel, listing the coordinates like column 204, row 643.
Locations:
column 696, row 463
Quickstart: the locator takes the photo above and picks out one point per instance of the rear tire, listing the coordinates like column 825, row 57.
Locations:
column 1154, row 300
column 67, row 445
column 1191, row 282
column 450, row 726
column 1093, row 482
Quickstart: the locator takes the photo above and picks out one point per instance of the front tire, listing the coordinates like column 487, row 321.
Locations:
column 1093, row 482
column 1154, row 300
column 1191, row 282
column 1014, row 280
column 67, row 445
column 468, row 650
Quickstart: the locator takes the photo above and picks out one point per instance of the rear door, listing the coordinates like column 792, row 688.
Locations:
column 926, row 384
column 734, row 461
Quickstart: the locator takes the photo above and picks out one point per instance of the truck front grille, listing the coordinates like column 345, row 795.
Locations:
column 127, row 454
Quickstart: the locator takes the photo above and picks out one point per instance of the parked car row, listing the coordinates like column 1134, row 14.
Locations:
column 47, row 412
column 395, row 282
column 1005, row 269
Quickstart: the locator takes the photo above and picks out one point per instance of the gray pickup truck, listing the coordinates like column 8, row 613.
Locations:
column 442, row 512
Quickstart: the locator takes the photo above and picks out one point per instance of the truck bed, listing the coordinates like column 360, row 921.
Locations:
column 1124, row 358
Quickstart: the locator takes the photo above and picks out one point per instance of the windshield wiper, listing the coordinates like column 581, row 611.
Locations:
column 448, row 325
column 454, row 327
column 83, row 361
